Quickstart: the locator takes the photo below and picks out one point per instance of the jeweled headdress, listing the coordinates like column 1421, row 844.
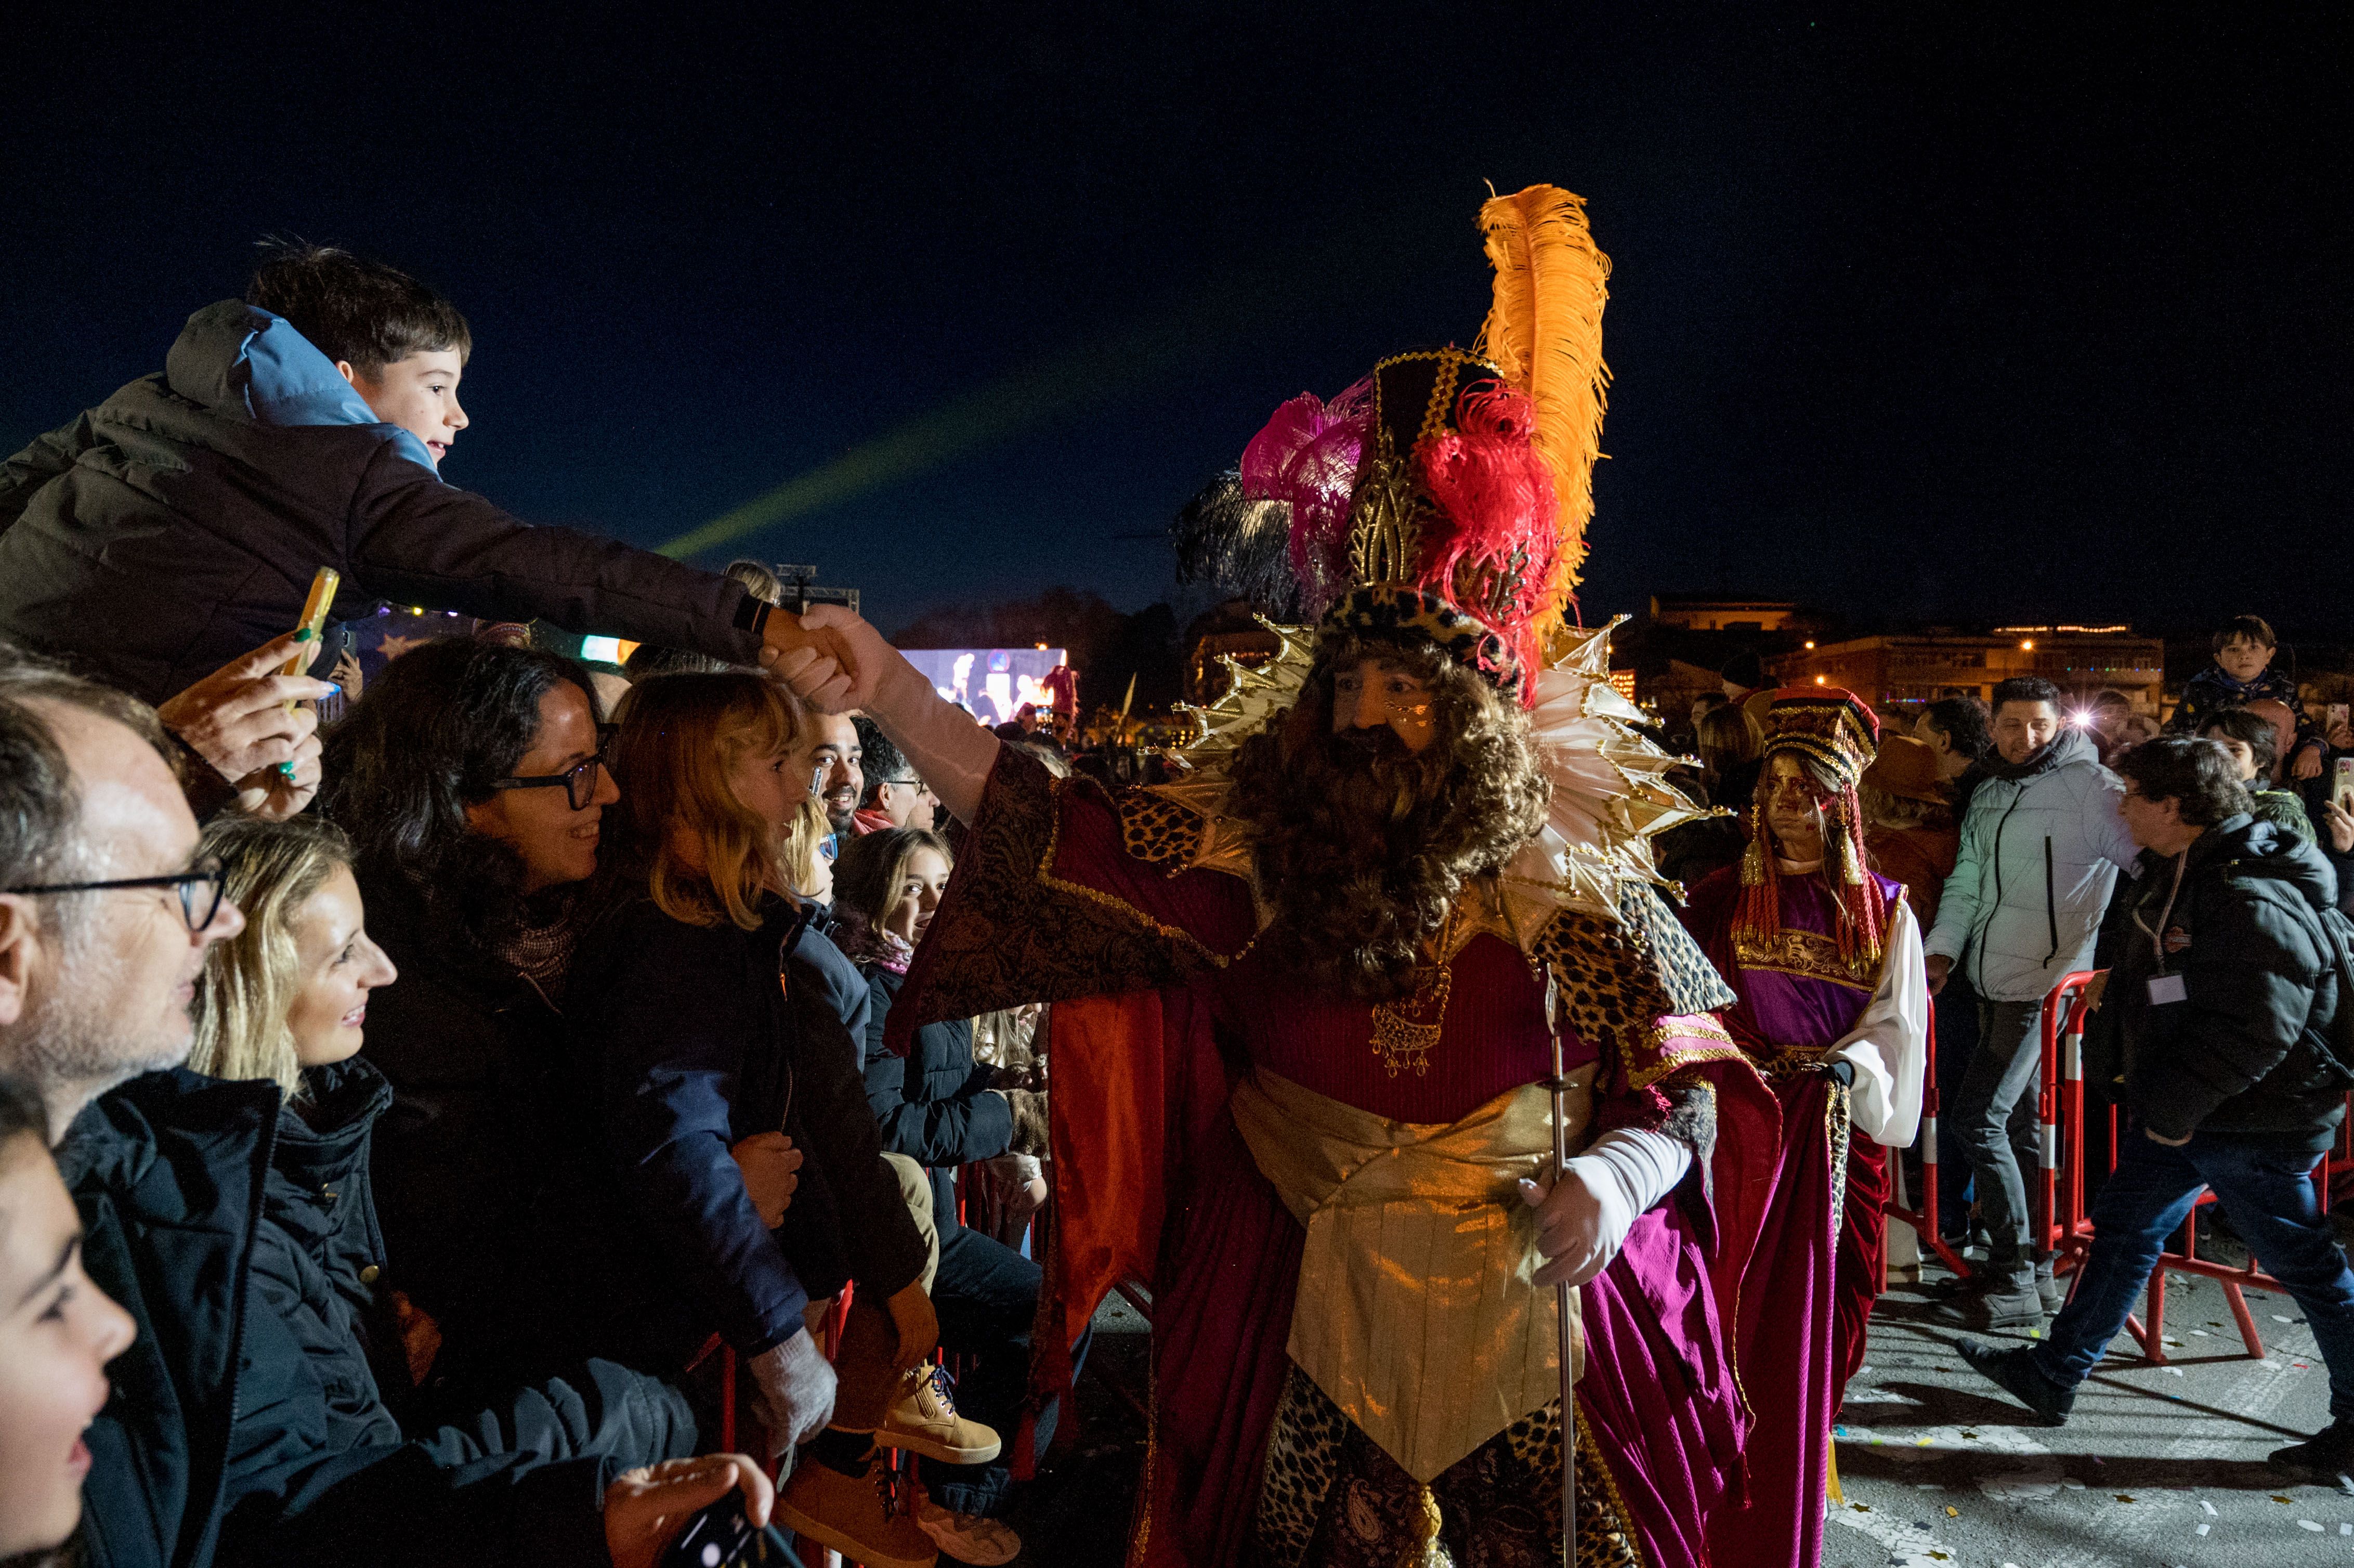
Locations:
column 1833, row 728
column 1446, row 495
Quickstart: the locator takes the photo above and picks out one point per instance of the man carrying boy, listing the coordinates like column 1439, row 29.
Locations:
column 2216, row 1010
column 179, row 524
column 2241, row 674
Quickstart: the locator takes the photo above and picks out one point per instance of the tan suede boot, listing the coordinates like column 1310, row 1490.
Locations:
column 923, row 1420
column 855, row 1515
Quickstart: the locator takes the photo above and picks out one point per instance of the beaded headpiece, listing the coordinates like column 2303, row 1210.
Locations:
column 1835, row 730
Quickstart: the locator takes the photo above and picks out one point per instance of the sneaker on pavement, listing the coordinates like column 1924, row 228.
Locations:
column 968, row 1537
column 2013, row 1368
column 2322, row 1459
column 853, row 1515
column 923, row 1420
column 2051, row 1288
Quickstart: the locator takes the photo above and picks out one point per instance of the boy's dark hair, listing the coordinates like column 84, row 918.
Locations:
column 2025, row 689
column 352, row 309
column 2199, row 774
column 2241, row 723
column 649, row 660
column 883, row 762
column 1963, row 722
column 2255, row 628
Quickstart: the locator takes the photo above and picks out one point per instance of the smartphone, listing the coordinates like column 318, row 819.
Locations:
column 2341, row 789
column 718, row 1537
column 2337, row 712
column 314, row 617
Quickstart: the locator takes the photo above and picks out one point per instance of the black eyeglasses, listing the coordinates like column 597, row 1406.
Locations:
column 200, row 888
column 580, row 781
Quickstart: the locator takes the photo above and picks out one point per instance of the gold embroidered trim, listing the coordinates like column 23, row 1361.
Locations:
column 1808, row 955
column 1110, row 901
column 1405, row 1032
column 1668, row 1066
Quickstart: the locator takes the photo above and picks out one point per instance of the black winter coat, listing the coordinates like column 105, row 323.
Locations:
column 480, row 1163
column 695, row 1044
column 934, row 1104
column 177, row 524
column 2246, row 1053
column 321, row 1261
column 217, row 1443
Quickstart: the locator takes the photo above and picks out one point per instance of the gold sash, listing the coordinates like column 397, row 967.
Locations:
column 1416, row 1311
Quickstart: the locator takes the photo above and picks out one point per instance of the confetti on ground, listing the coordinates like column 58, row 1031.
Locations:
column 2205, row 1528
column 2346, row 1530
column 1956, row 1513
column 2208, row 1507
column 2313, row 1525
column 2176, row 1371
column 2278, row 1499
column 2202, row 1333
column 2283, row 1317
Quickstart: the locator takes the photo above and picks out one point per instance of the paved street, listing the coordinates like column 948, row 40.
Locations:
column 2157, row 1465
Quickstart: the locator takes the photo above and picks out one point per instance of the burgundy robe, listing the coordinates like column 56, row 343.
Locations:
column 1809, row 1287
column 1065, row 896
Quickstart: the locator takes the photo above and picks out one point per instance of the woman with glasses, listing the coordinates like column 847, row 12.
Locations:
column 470, row 778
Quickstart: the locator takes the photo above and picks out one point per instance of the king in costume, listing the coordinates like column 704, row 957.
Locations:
column 1308, row 998
column 1834, row 1009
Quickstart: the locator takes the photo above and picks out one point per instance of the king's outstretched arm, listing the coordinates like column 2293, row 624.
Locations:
column 836, row 661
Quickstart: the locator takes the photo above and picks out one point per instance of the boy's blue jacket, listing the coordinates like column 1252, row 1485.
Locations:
column 2211, row 692
column 179, row 524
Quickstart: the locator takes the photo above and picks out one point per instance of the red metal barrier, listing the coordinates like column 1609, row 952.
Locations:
column 2063, row 1227
column 1923, row 1220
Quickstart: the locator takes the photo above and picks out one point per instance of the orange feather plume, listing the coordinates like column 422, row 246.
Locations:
column 1544, row 331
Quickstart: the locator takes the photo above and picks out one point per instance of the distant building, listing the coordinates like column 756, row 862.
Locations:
column 1909, row 670
column 1724, row 612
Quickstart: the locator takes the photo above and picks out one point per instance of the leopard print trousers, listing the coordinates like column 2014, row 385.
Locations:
column 1330, row 1497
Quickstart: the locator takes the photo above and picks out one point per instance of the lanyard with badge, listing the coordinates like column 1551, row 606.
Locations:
column 2164, row 988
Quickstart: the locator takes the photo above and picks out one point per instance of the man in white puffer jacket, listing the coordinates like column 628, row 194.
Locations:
column 2041, row 850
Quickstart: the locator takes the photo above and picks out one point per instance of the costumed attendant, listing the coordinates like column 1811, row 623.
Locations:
column 1835, row 1009
column 1306, row 999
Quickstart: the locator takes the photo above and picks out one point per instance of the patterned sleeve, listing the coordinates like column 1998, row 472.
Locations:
column 1060, row 891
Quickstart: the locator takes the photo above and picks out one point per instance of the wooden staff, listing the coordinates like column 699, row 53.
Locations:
column 1560, row 1086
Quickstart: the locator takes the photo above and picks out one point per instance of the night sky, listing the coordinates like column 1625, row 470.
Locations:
column 1919, row 310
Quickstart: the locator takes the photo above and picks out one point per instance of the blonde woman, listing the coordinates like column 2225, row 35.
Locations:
column 287, row 1000
column 676, row 1006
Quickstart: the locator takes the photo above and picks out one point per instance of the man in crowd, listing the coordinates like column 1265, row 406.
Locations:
column 179, row 524
column 217, row 1440
column 896, row 795
column 2218, row 1010
column 1955, row 729
column 2041, row 850
column 827, row 756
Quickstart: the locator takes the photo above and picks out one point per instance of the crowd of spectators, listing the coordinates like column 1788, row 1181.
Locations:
column 414, row 1136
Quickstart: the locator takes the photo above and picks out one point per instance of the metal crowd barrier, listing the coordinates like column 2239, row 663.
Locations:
column 1923, row 1219
column 2064, row 1225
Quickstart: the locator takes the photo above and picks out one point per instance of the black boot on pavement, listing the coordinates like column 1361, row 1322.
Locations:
column 2322, row 1459
column 2012, row 1367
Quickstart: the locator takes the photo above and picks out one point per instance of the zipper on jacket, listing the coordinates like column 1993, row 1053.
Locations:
column 2050, row 903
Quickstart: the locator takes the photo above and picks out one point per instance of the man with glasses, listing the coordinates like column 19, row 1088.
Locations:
column 896, row 796
column 2217, row 1024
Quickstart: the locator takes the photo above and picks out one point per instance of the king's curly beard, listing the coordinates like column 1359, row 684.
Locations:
column 1363, row 845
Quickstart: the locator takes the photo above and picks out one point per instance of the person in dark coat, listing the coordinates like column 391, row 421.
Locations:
column 2217, row 1025
column 469, row 871
column 717, row 1077
column 218, row 1442
column 940, row 1108
column 179, row 524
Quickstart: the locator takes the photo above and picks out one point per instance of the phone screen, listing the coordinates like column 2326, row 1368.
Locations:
column 2341, row 789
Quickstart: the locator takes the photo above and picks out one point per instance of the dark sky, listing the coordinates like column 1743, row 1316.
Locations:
column 1921, row 309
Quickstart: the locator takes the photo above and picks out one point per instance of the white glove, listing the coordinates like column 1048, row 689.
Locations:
column 859, row 671
column 1582, row 1218
column 794, row 1385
